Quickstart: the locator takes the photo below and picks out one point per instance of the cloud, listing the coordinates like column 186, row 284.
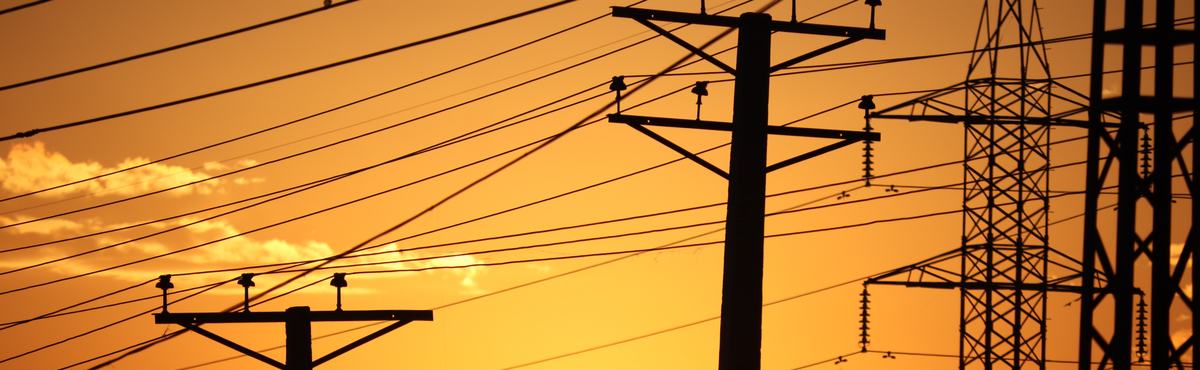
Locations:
column 238, row 251
column 32, row 167
column 51, row 227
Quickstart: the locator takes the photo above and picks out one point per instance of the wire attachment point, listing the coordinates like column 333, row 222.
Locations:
column 1146, row 149
column 873, row 4
column 246, row 281
column 867, row 103
column 864, row 320
column 701, row 90
column 618, row 85
column 164, row 283
column 339, row 282
column 1141, row 329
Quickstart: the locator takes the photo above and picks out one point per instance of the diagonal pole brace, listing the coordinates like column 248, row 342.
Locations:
column 359, row 342
column 686, row 45
column 234, row 346
column 680, row 150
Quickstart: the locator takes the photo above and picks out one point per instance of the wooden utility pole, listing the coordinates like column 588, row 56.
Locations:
column 741, row 304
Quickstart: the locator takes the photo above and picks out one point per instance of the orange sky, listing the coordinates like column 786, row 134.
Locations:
column 621, row 300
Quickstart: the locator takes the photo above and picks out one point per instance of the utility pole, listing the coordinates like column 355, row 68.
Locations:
column 297, row 325
column 741, row 304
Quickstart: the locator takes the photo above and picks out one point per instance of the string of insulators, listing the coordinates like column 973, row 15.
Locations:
column 873, row 4
column 1141, row 329
column 1146, row 148
column 164, row 283
column 864, row 319
column 618, row 85
column 246, row 281
column 867, row 104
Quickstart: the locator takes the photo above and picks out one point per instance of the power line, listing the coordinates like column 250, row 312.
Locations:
column 844, row 283
column 509, row 88
column 490, row 128
column 868, row 63
column 536, row 144
column 170, row 48
column 521, row 157
column 23, row 6
column 327, row 111
column 617, row 178
column 36, row 131
column 943, row 355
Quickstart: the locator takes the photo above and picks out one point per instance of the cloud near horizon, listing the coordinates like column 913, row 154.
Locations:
column 234, row 252
column 32, row 167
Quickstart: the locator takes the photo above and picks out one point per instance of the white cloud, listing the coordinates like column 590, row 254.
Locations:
column 50, row 227
column 31, row 167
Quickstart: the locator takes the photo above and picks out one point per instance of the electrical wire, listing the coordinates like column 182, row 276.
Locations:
column 509, row 88
column 693, row 323
column 941, row 355
column 649, row 168
column 171, row 48
column 535, row 144
column 23, row 6
column 460, row 31
column 540, row 143
column 326, row 111
column 481, row 179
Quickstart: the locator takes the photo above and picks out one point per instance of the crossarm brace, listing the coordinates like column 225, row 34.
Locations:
column 680, row 150
column 811, row 154
column 231, row 344
column 686, row 45
column 359, row 342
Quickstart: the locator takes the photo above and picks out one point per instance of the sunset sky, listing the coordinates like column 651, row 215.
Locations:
column 492, row 317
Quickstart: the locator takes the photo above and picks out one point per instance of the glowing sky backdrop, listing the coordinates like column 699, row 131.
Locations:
column 620, row 300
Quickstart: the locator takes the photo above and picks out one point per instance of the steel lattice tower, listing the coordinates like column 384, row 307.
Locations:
column 1127, row 261
column 1001, row 268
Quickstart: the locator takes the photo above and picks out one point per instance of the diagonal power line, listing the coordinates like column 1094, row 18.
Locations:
column 161, row 50
column 25, row 134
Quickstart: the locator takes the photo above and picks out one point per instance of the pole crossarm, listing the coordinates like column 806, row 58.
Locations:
column 735, row 22
column 314, row 316
column 724, row 126
column 297, row 321
column 639, row 123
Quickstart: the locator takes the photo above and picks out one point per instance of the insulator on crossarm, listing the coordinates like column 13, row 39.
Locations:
column 701, row 90
column 164, row 283
column 864, row 314
column 873, row 4
column 1146, row 149
column 246, row 281
column 618, row 85
column 339, row 282
column 1141, row 329
column 867, row 103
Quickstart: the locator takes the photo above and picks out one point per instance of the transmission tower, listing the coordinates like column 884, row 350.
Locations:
column 1002, row 269
column 1143, row 161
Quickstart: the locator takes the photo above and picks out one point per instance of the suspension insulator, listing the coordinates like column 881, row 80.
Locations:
column 864, row 319
column 1146, row 149
column 1141, row 329
column 866, row 103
